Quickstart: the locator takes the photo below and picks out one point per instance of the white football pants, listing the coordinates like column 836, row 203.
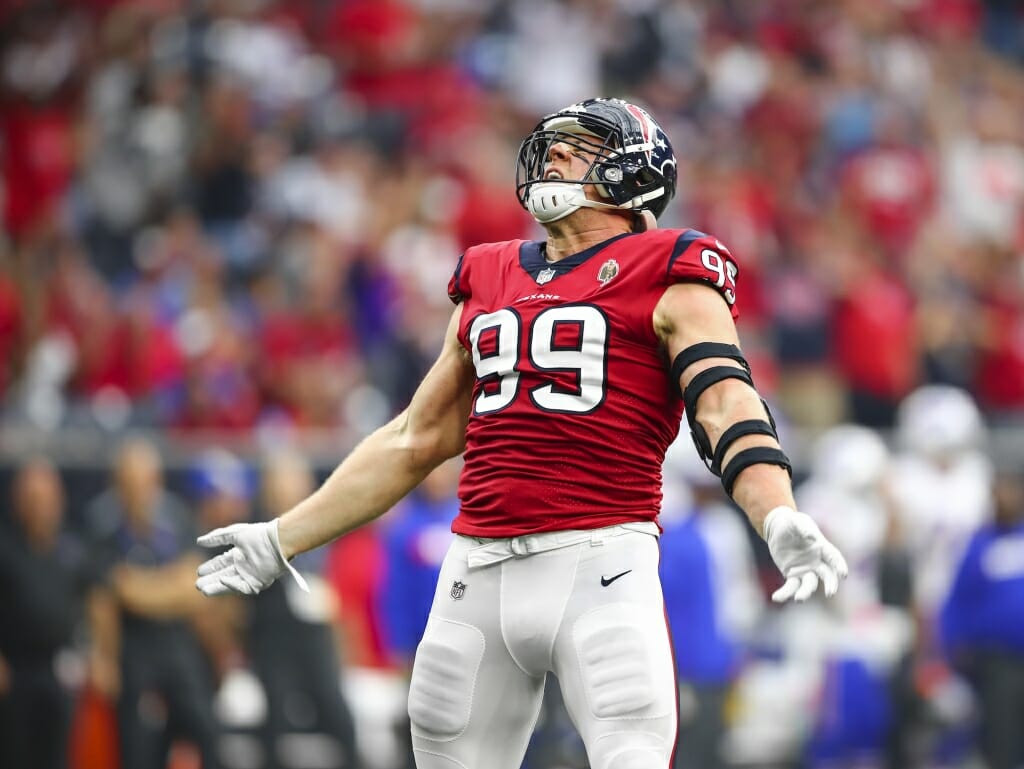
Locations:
column 584, row 605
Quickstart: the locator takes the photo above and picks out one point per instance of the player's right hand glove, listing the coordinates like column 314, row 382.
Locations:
column 802, row 554
column 252, row 564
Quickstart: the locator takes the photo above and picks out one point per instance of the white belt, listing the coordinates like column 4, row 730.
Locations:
column 498, row 550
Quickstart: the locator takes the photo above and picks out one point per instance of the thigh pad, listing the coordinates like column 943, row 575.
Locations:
column 444, row 679
column 625, row 662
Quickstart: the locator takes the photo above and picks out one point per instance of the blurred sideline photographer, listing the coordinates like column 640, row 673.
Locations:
column 41, row 593
column 562, row 380
column 145, row 655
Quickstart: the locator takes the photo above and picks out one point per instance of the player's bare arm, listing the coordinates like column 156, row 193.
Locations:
column 693, row 313
column 382, row 469
column 393, row 460
column 737, row 435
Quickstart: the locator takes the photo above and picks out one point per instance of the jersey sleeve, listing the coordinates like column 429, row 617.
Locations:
column 697, row 257
column 458, row 286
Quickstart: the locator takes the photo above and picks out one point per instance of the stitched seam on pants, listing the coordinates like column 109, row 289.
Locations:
column 658, row 751
column 501, row 621
column 561, row 617
column 440, row 755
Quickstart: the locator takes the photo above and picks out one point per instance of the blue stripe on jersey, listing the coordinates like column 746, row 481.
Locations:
column 682, row 243
column 456, row 293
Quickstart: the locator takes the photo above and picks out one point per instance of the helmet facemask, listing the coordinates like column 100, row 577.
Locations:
column 552, row 199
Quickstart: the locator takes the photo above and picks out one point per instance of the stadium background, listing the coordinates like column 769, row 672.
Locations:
column 228, row 227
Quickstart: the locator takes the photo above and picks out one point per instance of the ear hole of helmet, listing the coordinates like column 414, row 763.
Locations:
column 644, row 176
column 608, row 172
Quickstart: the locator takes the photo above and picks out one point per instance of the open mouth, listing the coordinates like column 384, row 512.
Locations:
column 553, row 173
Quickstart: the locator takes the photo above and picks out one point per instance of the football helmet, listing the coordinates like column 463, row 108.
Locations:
column 633, row 166
column 849, row 456
column 939, row 421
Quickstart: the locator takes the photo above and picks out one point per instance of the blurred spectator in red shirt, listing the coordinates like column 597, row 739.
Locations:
column 999, row 376
column 874, row 338
column 83, row 305
column 737, row 207
column 485, row 211
column 890, row 185
column 309, row 359
column 38, row 72
column 356, row 569
column 948, row 21
column 123, row 353
column 38, row 157
column 11, row 329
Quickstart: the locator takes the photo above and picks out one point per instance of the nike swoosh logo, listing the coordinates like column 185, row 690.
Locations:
column 606, row 581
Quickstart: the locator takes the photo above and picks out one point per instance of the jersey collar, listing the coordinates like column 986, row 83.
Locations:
column 531, row 258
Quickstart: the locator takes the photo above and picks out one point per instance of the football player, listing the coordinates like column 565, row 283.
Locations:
column 564, row 375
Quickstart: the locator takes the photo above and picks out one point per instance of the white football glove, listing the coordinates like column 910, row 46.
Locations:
column 802, row 554
column 251, row 565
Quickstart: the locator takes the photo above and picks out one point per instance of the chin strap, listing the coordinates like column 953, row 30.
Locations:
column 550, row 201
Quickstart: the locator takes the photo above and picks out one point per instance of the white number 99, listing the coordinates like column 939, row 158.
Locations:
column 723, row 268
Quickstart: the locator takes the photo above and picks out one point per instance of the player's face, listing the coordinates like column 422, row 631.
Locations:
column 566, row 161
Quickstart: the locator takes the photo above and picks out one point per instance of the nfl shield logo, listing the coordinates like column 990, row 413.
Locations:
column 458, row 590
column 544, row 276
column 608, row 271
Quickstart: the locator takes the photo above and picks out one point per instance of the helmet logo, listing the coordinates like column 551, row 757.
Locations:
column 608, row 271
column 544, row 276
column 647, row 128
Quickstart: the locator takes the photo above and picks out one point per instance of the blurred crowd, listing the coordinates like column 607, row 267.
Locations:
column 236, row 219
column 240, row 214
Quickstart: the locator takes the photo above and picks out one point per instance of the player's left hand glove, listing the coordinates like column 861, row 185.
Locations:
column 802, row 554
column 250, row 566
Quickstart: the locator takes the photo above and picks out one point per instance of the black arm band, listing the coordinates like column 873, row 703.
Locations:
column 702, row 350
column 756, row 455
column 692, row 393
column 705, row 379
column 737, row 431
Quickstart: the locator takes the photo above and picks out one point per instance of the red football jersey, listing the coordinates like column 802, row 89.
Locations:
column 572, row 409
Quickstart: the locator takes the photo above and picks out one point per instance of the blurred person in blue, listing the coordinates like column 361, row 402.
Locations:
column 981, row 625
column 415, row 542
column 144, row 654
column 41, row 596
column 713, row 602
